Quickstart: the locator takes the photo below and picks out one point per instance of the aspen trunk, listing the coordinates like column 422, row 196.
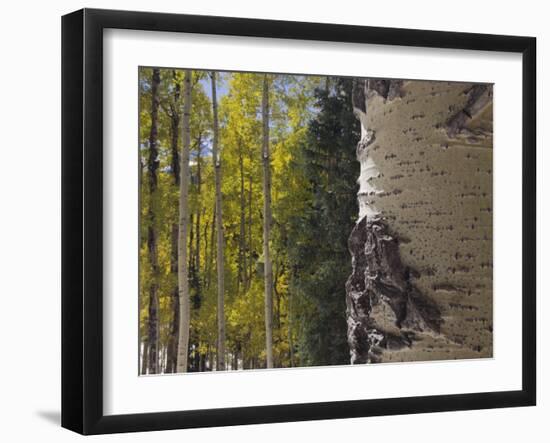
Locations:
column 162, row 360
column 144, row 357
column 212, row 239
column 172, row 347
column 153, row 165
column 268, row 272
column 250, row 260
column 210, row 359
column 290, row 324
column 172, row 351
column 206, row 277
column 174, row 131
column 198, row 221
column 183, row 271
column 421, row 287
column 242, row 257
column 191, row 244
column 219, row 232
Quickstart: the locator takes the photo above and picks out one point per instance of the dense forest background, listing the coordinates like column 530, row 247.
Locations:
column 244, row 178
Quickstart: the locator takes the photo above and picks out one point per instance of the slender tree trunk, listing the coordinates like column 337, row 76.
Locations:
column 175, row 128
column 172, row 351
column 145, row 357
column 172, row 357
column 235, row 363
column 219, row 232
column 268, row 272
column 183, row 271
column 198, row 220
column 250, row 261
column 162, row 360
column 210, row 359
column 277, row 295
column 212, row 239
column 194, row 257
column 242, row 257
column 290, row 321
column 191, row 246
column 206, row 279
column 153, row 165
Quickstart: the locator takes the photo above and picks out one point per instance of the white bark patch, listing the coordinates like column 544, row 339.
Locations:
column 368, row 171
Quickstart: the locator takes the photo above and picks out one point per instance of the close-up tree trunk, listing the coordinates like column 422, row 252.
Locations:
column 421, row 286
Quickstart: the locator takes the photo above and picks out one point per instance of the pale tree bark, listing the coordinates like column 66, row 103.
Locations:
column 183, row 271
column 172, row 358
column 242, row 257
column 421, row 286
column 211, row 251
column 191, row 252
column 152, row 169
column 249, row 247
column 198, row 220
column 290, row 329
column 219, row 233
column 206, row 277
column 268, row 271
column 145, row 357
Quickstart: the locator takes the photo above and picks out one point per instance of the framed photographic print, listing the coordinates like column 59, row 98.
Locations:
column 270, row 221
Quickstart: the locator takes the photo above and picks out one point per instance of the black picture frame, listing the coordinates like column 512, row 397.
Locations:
column 82, row 218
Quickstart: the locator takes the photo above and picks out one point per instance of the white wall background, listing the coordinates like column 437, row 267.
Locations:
column 30, row 219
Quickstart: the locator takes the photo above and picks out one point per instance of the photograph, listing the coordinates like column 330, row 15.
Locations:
column 251, row 222
column 295, row 220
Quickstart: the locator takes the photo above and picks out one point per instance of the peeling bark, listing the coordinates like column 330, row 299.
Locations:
column 384, row 308
column 479, row 96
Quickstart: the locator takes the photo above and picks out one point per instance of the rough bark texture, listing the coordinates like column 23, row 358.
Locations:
column 268, row 272
column 219, row 232
column 152, row 171
column 421, row 287
column 183, row 271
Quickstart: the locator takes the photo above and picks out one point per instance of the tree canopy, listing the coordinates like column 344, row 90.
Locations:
column 312, row 134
